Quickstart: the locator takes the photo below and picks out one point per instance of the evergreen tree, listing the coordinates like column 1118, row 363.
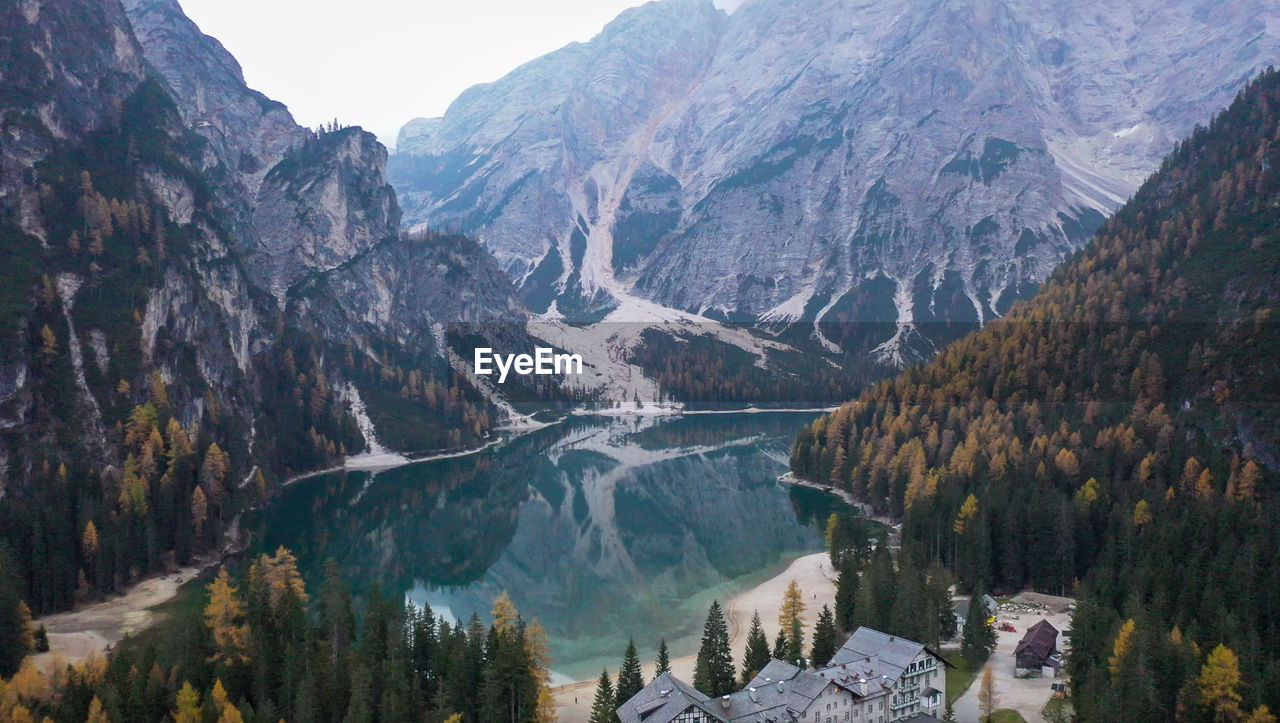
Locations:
column 846, row 594
column 13, row 636
column 713, row 670
column 824, row 638
column 979, row 638
column 757, row 654
column 782, row 648
column 630, row 680
column 360, row 709
column 604, row 707
column 510, row 690
column 663, row 663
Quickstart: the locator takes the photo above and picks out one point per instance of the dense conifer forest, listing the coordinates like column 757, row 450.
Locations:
column 265, row 647
column 1115, row 437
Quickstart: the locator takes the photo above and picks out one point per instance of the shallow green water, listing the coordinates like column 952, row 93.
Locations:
column 601, row 528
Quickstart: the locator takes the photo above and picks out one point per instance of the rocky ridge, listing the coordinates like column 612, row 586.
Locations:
column 909, row 163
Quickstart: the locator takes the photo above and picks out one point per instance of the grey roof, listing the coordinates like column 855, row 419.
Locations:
column 961, row 609
column 800, row 687
column 876, row 654
column 662, row 700
column 849, row 676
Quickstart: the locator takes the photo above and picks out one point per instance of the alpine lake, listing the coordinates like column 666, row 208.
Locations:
column 602, row 528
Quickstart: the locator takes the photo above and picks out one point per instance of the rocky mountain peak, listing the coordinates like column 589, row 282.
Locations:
column 896, row 162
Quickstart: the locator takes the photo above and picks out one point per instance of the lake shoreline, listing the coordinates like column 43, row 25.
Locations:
column 813, row 572
column 97, row 627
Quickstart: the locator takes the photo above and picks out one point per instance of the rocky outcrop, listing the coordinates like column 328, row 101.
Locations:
column 323, row 205
column 898, row 162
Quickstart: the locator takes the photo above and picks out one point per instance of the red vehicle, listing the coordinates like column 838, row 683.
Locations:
column 1008, row 627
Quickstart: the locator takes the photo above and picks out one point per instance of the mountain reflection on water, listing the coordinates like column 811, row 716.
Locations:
column 602, row 528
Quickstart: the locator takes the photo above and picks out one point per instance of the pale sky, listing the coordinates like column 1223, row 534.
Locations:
column 379, row 63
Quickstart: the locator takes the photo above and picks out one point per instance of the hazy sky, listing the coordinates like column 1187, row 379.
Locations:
column 378, row 63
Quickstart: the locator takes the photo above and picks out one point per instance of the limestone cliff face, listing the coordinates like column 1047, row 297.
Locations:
column 163, row 221
column 324, row 204
column 819, row 159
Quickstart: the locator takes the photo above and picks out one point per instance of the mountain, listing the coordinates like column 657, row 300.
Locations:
column 198, row 298
column 901, row 163
column 1116, row 434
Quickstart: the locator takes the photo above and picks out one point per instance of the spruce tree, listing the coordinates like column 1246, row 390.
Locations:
column 782, row 648
column 846, row 593
column 713, row 670
column 979, row 637
column 824, row 638
column 663, row 663
column 360, row 709
column 630, row 680
column 604, row 708
column 757, row 654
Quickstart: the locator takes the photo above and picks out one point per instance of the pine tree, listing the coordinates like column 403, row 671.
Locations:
column 782, row 648
column 663, row 662
column 824, row 638
column 630, row 680
column 713, row 670
column 360, row 708
column 757, row 654
column 979, row 637
column 604, row 706
column 846, row 594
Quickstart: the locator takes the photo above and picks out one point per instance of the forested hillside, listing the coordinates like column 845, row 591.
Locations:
column 1115, row 435
column 184, row 325
column 266, row 647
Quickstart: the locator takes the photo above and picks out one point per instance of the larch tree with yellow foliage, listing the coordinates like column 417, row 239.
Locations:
column 224, row 616
column 1219, row 683
column 988, row 701
column 1121, row 647
column 791, row 620
column 188, row 708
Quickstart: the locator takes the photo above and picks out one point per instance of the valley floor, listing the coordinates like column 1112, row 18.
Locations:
column 813, row 573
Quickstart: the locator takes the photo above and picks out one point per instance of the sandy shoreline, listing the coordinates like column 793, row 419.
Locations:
column 813, row 573
column 95, row 628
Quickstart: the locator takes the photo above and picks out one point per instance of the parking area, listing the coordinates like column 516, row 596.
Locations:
column 1024, row 695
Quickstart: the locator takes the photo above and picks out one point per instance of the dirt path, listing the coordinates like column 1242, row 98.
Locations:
column 74, row 635
column 813, row 573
